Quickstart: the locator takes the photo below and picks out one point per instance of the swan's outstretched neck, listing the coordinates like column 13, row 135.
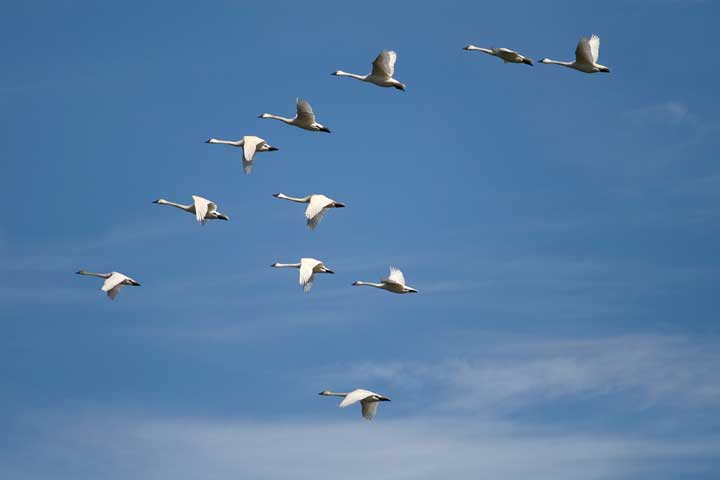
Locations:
column 283, row 265
column 369, row 284
column 276, row 117
column 328, row 393
column 340, row 73
column 162, row 201
column 292, row 199
column 478, row 49
column 101, row 275
column 556, row 62
column 225, row 142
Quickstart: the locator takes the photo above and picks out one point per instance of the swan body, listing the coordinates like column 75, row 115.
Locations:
column 383, row 69
column 368, row 400
column 395, row 282
column 114, row 281
column 586, row 57
column 202, row 208
column 304, row 118
column 507, row 55
column 308, row 268
column 318, row 205
column 250, row 145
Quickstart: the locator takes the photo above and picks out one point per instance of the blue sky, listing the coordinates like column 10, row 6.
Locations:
column 562, row 229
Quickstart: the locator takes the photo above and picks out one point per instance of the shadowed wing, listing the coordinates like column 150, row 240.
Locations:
column 307, row 275
column 369, row 409
column 316, row 209
column 202, row 207
column 305, row 111
column 583, row 52
column 384, row 64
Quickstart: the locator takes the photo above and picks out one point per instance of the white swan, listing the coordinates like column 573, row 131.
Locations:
column 507, row 55
column 383, row 69
column 308, row 268
column 250, row 145
column 114, row 281
column 368, row 400
column 586, row 56
column 203, row 209
column 317, row 206
column 395, row 282
column 304, row 118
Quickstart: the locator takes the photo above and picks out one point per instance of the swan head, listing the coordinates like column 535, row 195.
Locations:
column 210, row 140
column 264, row 115
column 528, row 61
column 160, row 201
column 81, row 272
column 339, row 72
column 545, row 60
column 325, row 393
column 469, row 47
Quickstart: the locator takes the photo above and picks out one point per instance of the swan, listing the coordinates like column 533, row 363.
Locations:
column 507, row 55
column 114, row 281
column 250, row 145
column 586, row 56
column 203, row 209
column 304, row 118
column 368, row 400
column 317, row 206
column 308, row 268
column 395, row 282
column 383, row 69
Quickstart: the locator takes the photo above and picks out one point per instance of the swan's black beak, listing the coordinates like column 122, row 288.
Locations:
column 260, row 116
column 156, row 201
column 207, row 141
column 79, row 272
column 273, row 149
column 334, row 73
column 276, row 195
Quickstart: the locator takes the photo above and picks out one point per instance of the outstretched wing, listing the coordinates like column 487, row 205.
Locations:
column 595, row 47
column 202, row 207
column 384, row 64
column 369, row 409
column 316, row 209
column 583, row 52
column 250, row 146
column 396, row 276
column 354, row 397
column 305, row 111
column 307, row 275
column 113, row 284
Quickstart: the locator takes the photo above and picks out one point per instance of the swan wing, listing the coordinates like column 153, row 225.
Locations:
column 369, row 409
column 396, row 276
column 247, row 166
column 250, row 146
column 113, row 281
column 113, row 292
column 202, row 207
column 595, row 47
column 316, row 209
column 384, row 64
column 583, row 52
column 354, row 397
column 305, row 111
column 307, row 272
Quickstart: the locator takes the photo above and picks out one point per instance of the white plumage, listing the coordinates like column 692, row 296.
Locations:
column 383, row 69
column 250, row 145
column 318, row 205
column 395, row 282
column 202, row 208
column 505, row 54
column 586, row 57
column 368, row 400
column 114, row 281
column 308, row 268
column 304, row 118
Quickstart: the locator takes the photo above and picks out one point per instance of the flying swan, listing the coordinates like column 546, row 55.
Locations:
column 368, row 400
column 507, row 55
column 250, row 145
column 203, row 209
column 318, row 205
column 586, row 56
column 308, row 268
column 304, row 118
column 395, row 282
column 114, row 281
column 383, row 69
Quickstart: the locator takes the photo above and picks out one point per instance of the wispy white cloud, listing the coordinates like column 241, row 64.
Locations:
column 115, row 446
column 643, row 371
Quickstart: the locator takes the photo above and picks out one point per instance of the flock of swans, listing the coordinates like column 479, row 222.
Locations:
column 382, row 75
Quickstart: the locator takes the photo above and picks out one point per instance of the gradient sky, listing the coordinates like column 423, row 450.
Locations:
column 562, row 229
